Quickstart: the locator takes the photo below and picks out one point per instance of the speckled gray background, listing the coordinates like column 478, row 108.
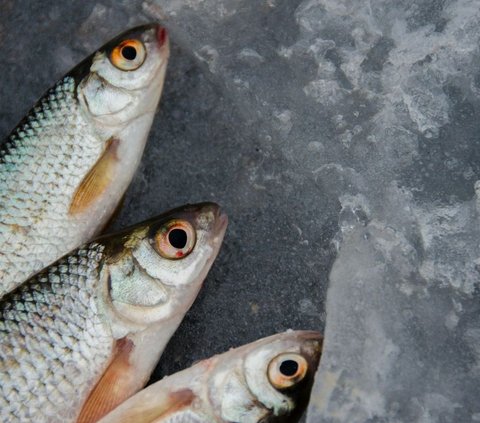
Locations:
column 272, row 271
column 342, row 138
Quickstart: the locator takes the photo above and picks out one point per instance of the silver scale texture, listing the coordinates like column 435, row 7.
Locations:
column 53, row 340
column 53, row 143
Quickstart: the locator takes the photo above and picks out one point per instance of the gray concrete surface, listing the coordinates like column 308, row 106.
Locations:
column 342, row 138
column 272, row 271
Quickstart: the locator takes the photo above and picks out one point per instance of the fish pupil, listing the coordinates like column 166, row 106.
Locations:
column 177, row 238
column 288, row 367
column 129, row 52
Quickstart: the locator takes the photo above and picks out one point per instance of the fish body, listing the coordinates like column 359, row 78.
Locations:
column 263, row 382
column 84, row 334
column 66, row 166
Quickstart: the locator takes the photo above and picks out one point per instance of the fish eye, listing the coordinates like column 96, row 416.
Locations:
column 128, row 55
column 175, row 240
column 286, row 370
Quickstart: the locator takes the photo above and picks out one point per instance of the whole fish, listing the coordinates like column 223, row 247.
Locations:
column 85, row 333
column 66, row 166
column 266, row 381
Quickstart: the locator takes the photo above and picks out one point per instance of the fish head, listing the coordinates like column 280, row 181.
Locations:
column 149, row 277
column 152, row 274
column 267, row 381
column 123, row 80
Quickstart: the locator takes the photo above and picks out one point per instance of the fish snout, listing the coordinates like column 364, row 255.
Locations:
column 162, row 36
column 221, row 219
column 219, row 223
column 312, row 345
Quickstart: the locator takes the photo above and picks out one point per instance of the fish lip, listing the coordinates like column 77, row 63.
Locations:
column 162, row 35
column 219, row 229
column 221, row 219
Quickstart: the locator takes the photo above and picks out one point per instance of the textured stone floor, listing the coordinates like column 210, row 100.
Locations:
column 342, row 138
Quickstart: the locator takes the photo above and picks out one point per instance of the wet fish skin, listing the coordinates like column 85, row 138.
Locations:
column 237, row 386
column 67, row 164
column 85, row 333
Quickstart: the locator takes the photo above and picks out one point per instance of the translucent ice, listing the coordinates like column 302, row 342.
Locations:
column 376, row 102
column 342, row 136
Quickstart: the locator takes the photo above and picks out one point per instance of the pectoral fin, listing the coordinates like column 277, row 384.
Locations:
column 97, row 179
column 159, row 409
column 113, row 387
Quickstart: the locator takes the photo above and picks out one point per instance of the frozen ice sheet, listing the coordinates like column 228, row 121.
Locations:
column 376, row 102
column 342, row 138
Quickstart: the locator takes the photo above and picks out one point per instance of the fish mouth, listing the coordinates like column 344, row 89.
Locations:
column 162, row 35
column 217, row 232
column 218, row 228
column 221, row 223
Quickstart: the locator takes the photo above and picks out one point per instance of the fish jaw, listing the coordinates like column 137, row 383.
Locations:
column 214, row 381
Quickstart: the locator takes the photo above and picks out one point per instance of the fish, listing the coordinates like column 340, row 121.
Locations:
column 84, row 334
column 67, row 164
column 267, row 381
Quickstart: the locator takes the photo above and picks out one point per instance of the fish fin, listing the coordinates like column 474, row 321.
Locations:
column 114, row 386
column 183, row 416
column 97, row 179
column 163, row 408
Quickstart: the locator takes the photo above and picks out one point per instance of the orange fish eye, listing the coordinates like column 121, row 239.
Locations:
column 128, row 55
column 286, row 370
column 175, row 240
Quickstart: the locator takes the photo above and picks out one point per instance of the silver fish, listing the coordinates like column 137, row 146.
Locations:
column 65, row 167
column 264, row 382
column 84, row 334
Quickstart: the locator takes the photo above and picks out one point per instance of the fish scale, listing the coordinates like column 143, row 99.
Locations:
column 53, row 339
column 85, row 333
column 58, row 139
column 64, row 342
column 68, row 163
